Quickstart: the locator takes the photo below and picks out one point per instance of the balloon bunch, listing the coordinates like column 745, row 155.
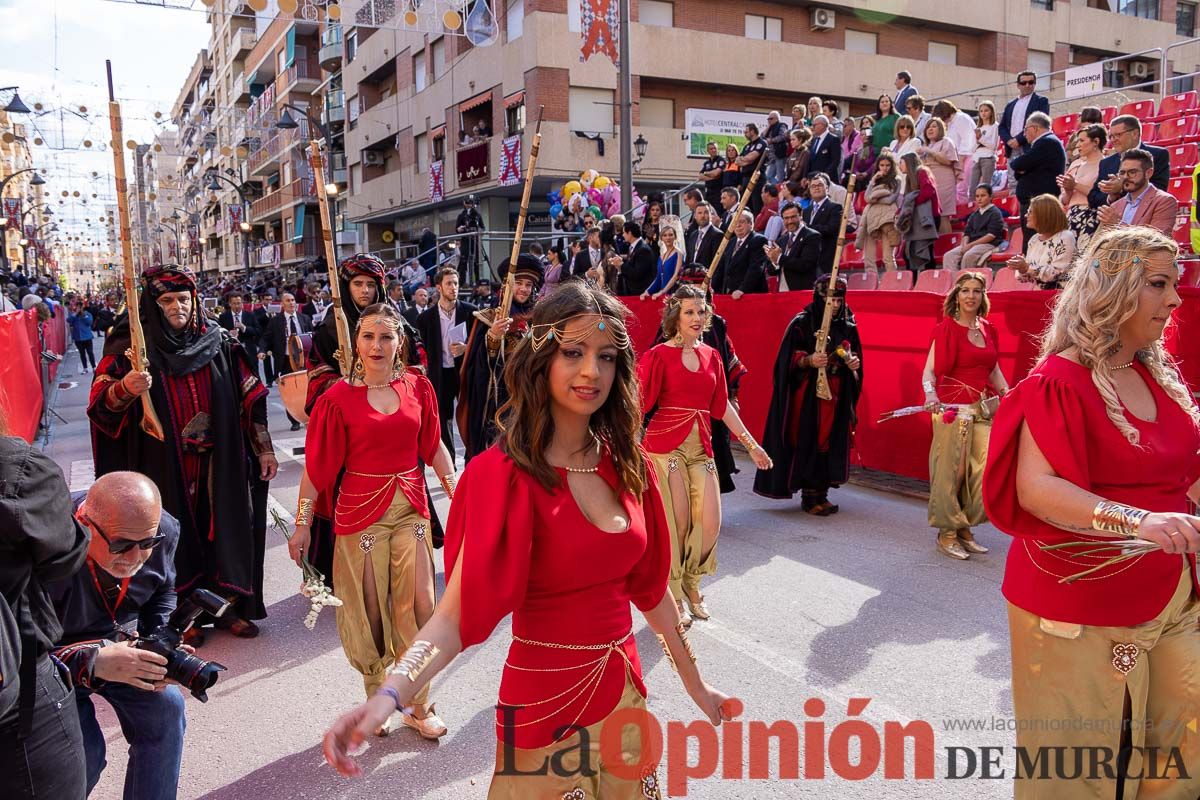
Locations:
column 592, row 195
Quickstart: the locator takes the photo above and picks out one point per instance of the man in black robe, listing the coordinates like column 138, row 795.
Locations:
column 215, row 448
column 809, row 438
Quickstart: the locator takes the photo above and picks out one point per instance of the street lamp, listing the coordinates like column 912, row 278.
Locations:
column 15, row 106
column 214, row 185
column 639, row 147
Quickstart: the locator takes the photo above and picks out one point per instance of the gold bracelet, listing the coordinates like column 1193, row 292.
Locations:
column 415, row 659
column 448, row 483
column 304, row 511
column 1118, row 518
column 748, row 441
column 662, row 640
column 681, row 629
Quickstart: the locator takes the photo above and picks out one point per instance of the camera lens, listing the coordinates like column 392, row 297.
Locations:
column 193, row 673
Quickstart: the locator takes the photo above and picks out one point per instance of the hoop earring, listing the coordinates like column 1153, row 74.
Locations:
column 358, row 370
column 679, row 339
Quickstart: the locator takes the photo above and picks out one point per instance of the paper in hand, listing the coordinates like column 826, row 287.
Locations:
column 458, row 334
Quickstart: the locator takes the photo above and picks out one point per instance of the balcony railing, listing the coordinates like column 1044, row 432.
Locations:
column 243, row 42
column 335, row 107
column 281, row 141
column 283, row 197
column 308, row 247
column 330, row 55
column 291, row 76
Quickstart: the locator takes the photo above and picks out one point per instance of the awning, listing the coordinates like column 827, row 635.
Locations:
column 514, row 99
column 475, row 101
column 438, row 132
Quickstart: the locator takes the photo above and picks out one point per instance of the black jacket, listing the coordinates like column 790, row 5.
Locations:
column 703, row 252
column 249, row 338
column 828, row 159
column 827, row 222
column 799, row 262
column 274, row 338
column 429, row 325
column 1015, row 128
column 639, row 270
column 583, row 261
column 1110, row 164
column 1038, row 168
column 742, row 268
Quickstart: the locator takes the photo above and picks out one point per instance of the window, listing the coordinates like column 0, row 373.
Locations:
column 590, row 110
column 657, row 112
column 439, row 148
column 439, row 59
column 1185, row 19
column 1181, row 85
column 768, row 28
column 351, row 45
column 288, row 227
column 1041, row 62
column 656, row 12
column 421, row 143
column 942, row 53
column 861, row 42
column 514, row 118
column 1045, row 5
column 419, row 80
column 283, row 61
column 574, row 16
column 1146, row 9
column 515, row 19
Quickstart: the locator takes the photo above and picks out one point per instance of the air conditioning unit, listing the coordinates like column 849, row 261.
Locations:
column 1139, row 69
column 822, row 19
column 372, row 158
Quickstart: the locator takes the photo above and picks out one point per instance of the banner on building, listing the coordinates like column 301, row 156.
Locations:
column 12, row 212
column 172, row 255
column 510, row 161
column 704, row 125
column 472, row 164
column 1085, row 81
column 437, row 186
column 599, row 20
column 235, row 218
column 193, row 232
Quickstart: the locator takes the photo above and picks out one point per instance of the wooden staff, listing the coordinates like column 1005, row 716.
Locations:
column 343, row 356
column 712, row 268
column 823, row 334
column 137, row 337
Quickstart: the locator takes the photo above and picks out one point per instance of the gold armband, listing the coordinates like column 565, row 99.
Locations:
column 746, row 439
column 448, row 483
column 304, row 511
column 1117, row 518
column 415, row 660
column 681, row 629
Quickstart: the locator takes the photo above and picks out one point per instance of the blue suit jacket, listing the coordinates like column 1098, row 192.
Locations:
column 1110, row 164
column 902, row 98
column 1036, row 103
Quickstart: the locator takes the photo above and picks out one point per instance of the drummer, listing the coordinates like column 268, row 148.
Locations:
column 286, row 338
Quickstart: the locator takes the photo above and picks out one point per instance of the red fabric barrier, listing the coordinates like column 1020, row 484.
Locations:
column 54, row 332
column 895, row 328
column 20, row 375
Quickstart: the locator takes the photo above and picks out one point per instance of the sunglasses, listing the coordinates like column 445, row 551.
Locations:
column 119, row 546
column 1026, row 83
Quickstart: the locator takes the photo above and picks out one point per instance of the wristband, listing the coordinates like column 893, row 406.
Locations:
column 1118, row 518
column 304, row 511
column 928, row 387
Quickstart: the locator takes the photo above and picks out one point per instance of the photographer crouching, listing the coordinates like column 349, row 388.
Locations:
column 111, row 611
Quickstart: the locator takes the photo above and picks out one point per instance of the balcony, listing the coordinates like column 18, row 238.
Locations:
column 243, row 42
column 330, row 54
column 473, row 163
column 335, row 108
column 275, row 145
column 240, row 90
column 308, row 247
column 348, row 237
column 296, row 78
column 271, row 205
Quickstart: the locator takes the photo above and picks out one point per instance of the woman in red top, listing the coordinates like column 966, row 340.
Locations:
column 962, row 377
column 1097, row 447
column 683, row 389
column 368, row 435
column 561, row 524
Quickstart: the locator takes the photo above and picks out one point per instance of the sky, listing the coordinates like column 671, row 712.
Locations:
column 54, row 51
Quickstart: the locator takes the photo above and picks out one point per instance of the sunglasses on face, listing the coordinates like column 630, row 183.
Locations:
column 1026, row 83
column 119, row 546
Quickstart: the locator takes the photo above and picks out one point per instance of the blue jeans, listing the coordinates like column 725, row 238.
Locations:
column 776, row 171
column 153, row 724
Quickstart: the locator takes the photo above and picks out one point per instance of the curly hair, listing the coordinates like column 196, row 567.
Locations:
column 1089, row 312
column 950, row 307
column 673, row 307
column 526, row 427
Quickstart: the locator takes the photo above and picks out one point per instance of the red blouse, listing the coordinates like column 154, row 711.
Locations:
column 962, row 369
column 531, row 552
column 377, row 451
column 683, row 397
column 1066, row 416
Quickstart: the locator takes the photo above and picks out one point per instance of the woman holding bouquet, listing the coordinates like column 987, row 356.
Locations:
column 382, row 552
column 561, row 524
column 1093, row 453
column 963, row 369
column 684, row 391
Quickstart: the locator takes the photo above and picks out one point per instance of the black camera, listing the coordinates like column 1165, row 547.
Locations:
column 193, row 673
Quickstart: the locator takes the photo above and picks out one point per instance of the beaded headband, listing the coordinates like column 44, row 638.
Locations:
column 1106, row 265
column 391, row 323
column 556, row 331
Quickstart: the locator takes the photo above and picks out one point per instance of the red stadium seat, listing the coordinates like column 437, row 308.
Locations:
column 1189, row 272
column 1011, row 208
column 1181, row 190
column 1006, row 281
column 1016, row 237
column 896, row 280
column 1109, row 113
column 862, row 280
column 1064, row 125
column 1183, row 234
column 938, row 281
column 944, row 244
column 1142, row 109
column 1176, row 131
column 772, row 283
column 860, row 202
column 852, row 257
column 1149, row 133
column 1184, row 158
column 1176, row 105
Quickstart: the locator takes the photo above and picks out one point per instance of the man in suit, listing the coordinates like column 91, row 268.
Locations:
column 418, row 306
column 444, row 348
column 1038, row 168
column 826, row 149
column 590, row 255
column 241, row 324
column 639, row 267
column 276, row 339
column 1124, row 134
column 395, row 297
column 825, row 217
column 702, row 243
column 1143, row 203
column 904, row 90
column 796, row 256
column 729, row 201
column 1017, row 112
column 742, row 267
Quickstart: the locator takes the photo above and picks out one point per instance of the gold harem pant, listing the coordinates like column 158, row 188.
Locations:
column 698, row 470
column 393, row 544
column 1086, row 692
column 956, row 461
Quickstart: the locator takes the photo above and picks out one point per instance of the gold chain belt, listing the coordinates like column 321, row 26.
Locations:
column 410, row 478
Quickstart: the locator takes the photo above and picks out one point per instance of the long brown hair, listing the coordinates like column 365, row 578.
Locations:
column 673, row 307
column 383, row 310
column 526, row 426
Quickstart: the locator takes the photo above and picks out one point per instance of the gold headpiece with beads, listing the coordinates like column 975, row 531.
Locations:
column 556, row 331
column 1111, row 262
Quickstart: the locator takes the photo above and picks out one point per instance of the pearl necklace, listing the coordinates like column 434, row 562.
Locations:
column 1121, row 366
column 387, row 385
column 586, row 470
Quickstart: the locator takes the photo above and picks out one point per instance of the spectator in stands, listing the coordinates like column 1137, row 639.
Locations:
column 878, row 226
column 748, row 160
column 412, row 276
column 983, row 234
column 796, row 255
column 1124, row 134
column 986, row 141
column 826, row 149
column 589, row 257
column 798, row 122
column 1082, row 219
column 1143, row 203
column 702, row 243
column 556, row 268
column 776, row 136
column 797, row 160
column 838, row 194
column 825, row 217
column 1051, row 251
column 915, row 109
column 941, row 157
column 732, row 176
column 636, row 270
column 814, row 110
column 852, row 142
column 960, row 129
column 919, row 214
column 1017, row 113
column 1037, row 169
column 741, row 270
column 862, row 166
column 729, row 201
column 1088, row 115
column 830, row 109
column 790, row 193
column 883, row 126
column 906, row 140
column 767, row 222
column 711, row 173
column 904, row 89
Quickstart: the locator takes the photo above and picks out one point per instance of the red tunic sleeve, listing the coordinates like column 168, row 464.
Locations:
column 648, row 581
column 650, row 378
column 945, row 348
column 493, row 503
column 720, row 397
column 431, row 431
column 325, row 442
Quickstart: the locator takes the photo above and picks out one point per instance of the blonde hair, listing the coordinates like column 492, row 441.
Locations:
column 671, row 221
column 1103, row 292
column 950, row 306
column 991, row 109
column 1047, row 212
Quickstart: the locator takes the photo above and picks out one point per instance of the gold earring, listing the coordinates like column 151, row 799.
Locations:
column 359, row 370
column 679, row 338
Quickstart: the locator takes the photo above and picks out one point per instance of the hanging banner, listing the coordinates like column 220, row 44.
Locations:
column 472, row 163
column 1085, row 81
column 436, row 185
column 598, row 29
column 171, row 254
column 510, row 161
column 12, row 212
column 235, row 217
column 704, row 125
column 193, row 232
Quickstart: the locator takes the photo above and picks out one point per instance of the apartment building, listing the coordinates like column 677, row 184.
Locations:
column 15, row 155
column 160, row 196
column 411, row 96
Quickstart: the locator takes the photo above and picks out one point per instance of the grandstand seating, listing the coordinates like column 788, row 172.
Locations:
column 1006, row 281
column 1142, row 109
column 938, row 281
column 867, row 279
column 1176, row 131
column 1184, row 158
column 896, row 280
column 1176, row 105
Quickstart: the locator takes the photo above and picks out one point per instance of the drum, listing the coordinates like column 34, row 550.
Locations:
column 298, row 346
column 293, row 390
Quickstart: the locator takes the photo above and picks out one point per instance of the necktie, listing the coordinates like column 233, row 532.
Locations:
column 791, row 241
column 290, row 329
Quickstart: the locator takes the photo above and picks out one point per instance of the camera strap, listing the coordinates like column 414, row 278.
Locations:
column 100, row 590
